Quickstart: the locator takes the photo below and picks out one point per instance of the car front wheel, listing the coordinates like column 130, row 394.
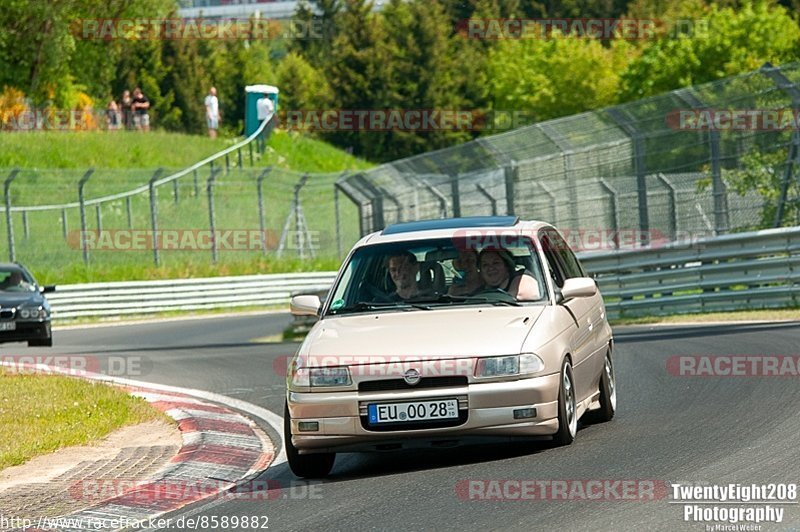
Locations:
column 608, row 391
column 567, row 407
column 304, row 465
column 41, row 342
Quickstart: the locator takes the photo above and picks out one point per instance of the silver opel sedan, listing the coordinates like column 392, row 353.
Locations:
column 443, row 332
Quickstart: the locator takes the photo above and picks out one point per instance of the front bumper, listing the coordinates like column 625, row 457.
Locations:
column 27, row 330
column 487, row 410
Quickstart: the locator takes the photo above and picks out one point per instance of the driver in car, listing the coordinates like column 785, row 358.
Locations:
column 499, row 271
column 403, row 269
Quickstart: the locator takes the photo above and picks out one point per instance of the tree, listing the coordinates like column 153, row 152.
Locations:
column 729, row 42
column 548, row 78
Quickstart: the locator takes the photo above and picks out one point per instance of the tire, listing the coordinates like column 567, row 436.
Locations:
column 608, row 392
column 316, row 465
column 567, row 407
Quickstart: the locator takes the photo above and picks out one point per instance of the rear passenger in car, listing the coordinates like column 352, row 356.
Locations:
column 469, row 280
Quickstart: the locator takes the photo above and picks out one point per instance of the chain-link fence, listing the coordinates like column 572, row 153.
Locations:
column 224, row 210
column 708, row 160
column 214, row 214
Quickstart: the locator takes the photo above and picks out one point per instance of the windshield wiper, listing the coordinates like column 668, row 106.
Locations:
column 447, row 298
column 379, row 305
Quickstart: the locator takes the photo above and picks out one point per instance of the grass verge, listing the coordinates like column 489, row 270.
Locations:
column 743, row 315
column 129, row 149
column 42, row 413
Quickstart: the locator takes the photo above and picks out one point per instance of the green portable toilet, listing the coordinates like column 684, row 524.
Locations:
column 254, row 93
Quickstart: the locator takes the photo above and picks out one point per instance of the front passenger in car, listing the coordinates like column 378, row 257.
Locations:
column 499, row 271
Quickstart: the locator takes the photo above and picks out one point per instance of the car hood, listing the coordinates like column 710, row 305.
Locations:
column 428, row 334
column 15, row 299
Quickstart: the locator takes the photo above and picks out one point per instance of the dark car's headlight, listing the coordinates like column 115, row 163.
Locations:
column 33, row 313
column 507, row 366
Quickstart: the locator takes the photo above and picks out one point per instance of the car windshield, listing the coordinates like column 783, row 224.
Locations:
column 15, row 280
column 439, row 273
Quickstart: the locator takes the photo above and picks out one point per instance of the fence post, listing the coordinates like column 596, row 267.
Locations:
column 719, row 191
column 9, row 225
column 64, row 228
column 196, row 185
column 338, row 222
column 441, row 197
column 99, row 217
column 639, row 168
column 673, row 206
column 250, row 145
column 227, row 164
column 615, row 206
column 262, row 226
column 456, row 196
column 154, row 213
column 239, row 155
column 26, row 230
column 511, row 175
column 211, row 218
column 488, row 196
column 129, row 212
column 175, row 191
column 82, row 202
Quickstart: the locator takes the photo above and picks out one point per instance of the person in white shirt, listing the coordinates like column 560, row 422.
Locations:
column 264, row 108
column 212, row 112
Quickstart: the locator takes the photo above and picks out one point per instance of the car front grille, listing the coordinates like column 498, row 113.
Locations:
column 7, row 313
column 400, row 384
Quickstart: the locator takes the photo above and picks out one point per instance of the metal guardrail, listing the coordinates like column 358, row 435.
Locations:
column 733, row 272
column 148, row 297
column 741, row 271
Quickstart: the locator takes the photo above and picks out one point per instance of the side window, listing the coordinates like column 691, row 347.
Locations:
column 572, row 268
column 556, row 269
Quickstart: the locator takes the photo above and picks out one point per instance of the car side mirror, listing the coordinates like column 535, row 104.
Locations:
column 305, row 305
column 47, row 288
column 578, row 287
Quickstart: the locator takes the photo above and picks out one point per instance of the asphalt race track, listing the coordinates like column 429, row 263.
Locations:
column 669, row 428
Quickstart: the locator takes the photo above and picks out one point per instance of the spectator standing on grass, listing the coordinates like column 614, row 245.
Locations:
column 125, row 106
column 141, row 110
column 212, row 112
column 112, row 116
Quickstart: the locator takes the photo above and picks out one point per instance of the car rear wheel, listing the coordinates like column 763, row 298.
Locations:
column 304, row 465
column 567, row 407
column 608, row 391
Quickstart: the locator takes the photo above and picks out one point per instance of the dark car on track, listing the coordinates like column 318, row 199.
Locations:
column 24, row 311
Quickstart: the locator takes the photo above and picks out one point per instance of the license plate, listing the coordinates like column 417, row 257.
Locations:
column 8, row 326
column 432, row 410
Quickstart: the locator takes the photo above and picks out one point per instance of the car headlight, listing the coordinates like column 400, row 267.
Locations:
column 32, row 313
column 321, row 377
column 508, row 365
